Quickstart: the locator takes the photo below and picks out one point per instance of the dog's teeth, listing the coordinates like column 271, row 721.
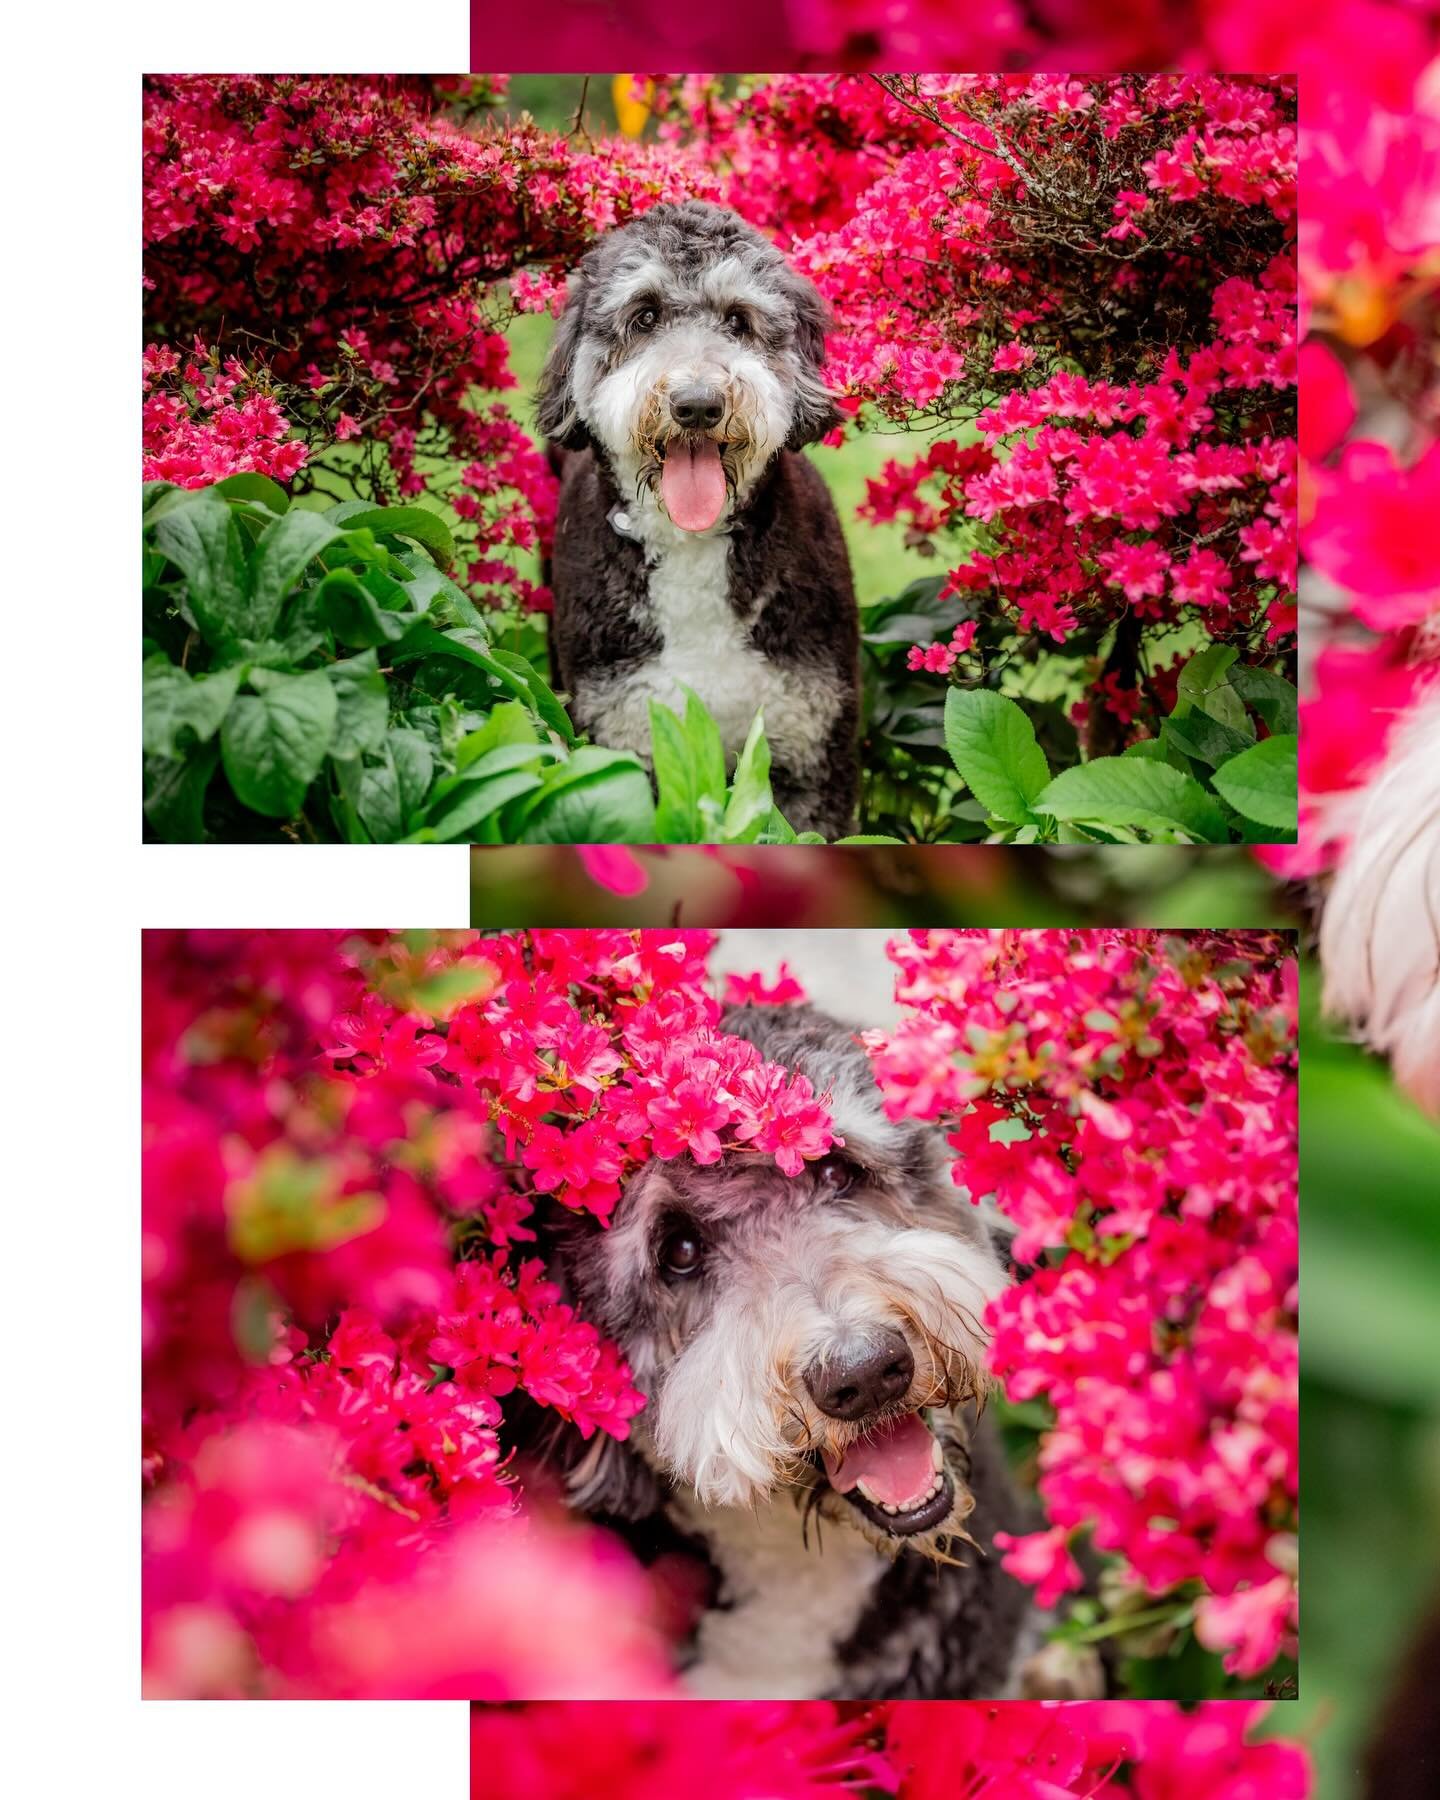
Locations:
column 873, row 1498
column 937, row 1455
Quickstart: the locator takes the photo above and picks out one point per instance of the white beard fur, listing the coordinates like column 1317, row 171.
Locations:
column 1380, row 935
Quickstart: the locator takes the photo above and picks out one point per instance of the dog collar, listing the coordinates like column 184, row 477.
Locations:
column 621, row 524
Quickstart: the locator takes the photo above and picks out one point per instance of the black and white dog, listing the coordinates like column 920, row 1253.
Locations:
column 694, row 546
column 810, row 1349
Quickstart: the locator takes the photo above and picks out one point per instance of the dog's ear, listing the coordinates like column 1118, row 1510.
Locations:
column 815, row 410
column 612, row 1479
column 555, row 412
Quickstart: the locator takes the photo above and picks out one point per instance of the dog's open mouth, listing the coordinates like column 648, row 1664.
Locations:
column 692, row 481
column 895, row 1476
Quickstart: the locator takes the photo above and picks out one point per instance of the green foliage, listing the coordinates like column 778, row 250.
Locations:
column 317, row 675
column 1208, row 778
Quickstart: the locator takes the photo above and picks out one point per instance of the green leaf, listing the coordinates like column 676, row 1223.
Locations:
column 414, row 765
column 260, row 488
column 202, row 538
column 175, row 702
column 1206, row 739
column 509, row 723
column 1206, row 670
column 867, row 840
column 1261, row 783
column 284, row 550
column 750, row 797
column 427, row 529
column 479, row 800
column 175, row 794
column 273, row 743
column 677, row 812
column 1126, row 791
column 992, row 744
column 511, row 672
column 707, row 748
column 364, row 709
column 355, row 616
column 596, row 797
column 1203, row 685
column 1270, row 696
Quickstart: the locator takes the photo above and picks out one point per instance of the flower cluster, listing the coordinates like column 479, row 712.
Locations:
column 1095, row 280
column 343, row 243
column 345, row 1136
column 1130, row 1103
column 804, row 1750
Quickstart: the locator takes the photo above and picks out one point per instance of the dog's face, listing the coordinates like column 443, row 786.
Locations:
column 690, row 352
column 803, row 1333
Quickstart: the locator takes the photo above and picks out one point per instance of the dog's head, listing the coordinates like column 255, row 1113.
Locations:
column 804, row 1333
column 691, row 353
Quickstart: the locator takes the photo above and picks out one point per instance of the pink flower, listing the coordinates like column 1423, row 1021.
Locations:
column 1043, row 1560
column 1370, row 533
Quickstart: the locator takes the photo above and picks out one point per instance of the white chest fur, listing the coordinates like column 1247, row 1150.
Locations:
column 705, row 647
column 788, row 1606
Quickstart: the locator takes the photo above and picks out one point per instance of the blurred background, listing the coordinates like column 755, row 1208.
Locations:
column 1370, row 1211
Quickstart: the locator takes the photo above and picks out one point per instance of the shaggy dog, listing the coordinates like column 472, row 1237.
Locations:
column 695, row 547
column 810, row 1348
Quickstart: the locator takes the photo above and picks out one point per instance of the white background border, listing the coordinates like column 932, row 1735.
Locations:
column 79, row 890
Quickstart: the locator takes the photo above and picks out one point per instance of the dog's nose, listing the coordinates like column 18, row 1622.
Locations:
column 855, row 1385
column 697, row 408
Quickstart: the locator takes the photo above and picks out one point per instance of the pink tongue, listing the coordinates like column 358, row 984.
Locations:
column 894, row 1463
column 692, row 483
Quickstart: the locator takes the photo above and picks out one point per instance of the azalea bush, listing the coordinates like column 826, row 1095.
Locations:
column 1078, row 293
column 345, row 1134
column 806, row 1750
column 1130, row 1102
column 347, row 1137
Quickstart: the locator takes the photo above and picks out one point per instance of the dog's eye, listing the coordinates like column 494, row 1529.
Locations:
column 682, row 1250
column 646, row 319
column 836, row 1174
column 737, row 323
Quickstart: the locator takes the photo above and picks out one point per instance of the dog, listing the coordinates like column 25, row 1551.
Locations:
column 811, row 1352
column 694, row 546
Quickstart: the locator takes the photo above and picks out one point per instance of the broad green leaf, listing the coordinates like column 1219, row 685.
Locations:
column 355, row 616
column 596, row 797
column 479, row 800
column 539, row 692
column 1269, row 695
column 364, row 709
column 845, row 841
column 1261, row 783
column 1206, row 739
column 509, row 723
column 1204, row 685
column 175, row 702
column 274, row 743
column 249, row 486
column 175, row 794
column 202, row 538
column 427, row 529
column 498, row 761
column 750, row 797
column 1133, row 792
column 992, row 744
column 511, row 672
column 677, row 814
column 284, row 550
column 414, row 765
